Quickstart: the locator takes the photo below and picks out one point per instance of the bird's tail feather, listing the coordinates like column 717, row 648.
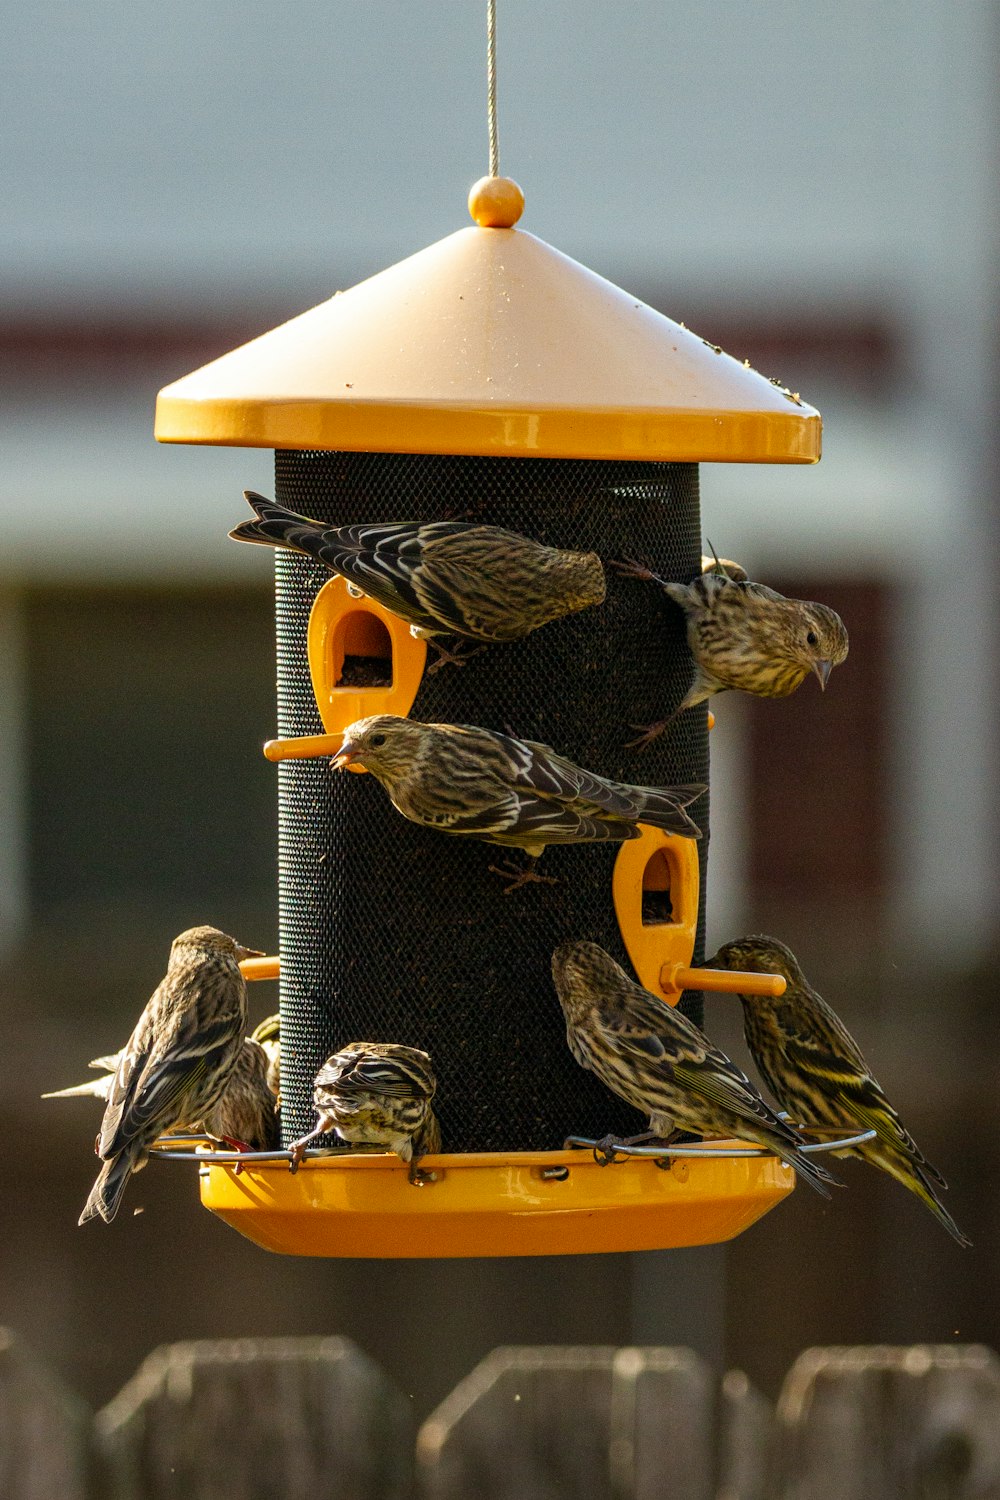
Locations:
column 277, row 527
column 97, row 1088
column 106, row 1194
column 664, row 809
column 818, row 1178
column 917, row 1181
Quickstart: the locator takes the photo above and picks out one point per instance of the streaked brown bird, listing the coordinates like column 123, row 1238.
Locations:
column 657, row 1060
column 245, row 1116
column 267, row 1034
column 443, row 577
column 472, row 782
column 178, row 1060
column 746, row 637
column 815, row 1069
column 377, row 1094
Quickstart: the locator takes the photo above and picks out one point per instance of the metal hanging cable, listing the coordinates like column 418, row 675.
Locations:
column 491, row 85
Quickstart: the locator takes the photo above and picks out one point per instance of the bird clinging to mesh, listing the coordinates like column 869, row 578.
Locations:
column 446, row 578
column 478, row 784
column 377, row 1094
column 175, row 1066
column 746, row 636
column 815, row 1070
column 657, row 1060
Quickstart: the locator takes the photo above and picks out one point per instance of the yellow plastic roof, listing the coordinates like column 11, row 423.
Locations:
column 490, row 342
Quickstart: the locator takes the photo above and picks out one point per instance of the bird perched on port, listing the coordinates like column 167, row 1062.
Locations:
column 479, row 784
column 176, row 1064
column 245, row 1116
column 816, row 1071
column 443, row 577
column 267, row 1034
column 377, row 1094
column 747, row 637
column 654, row 1058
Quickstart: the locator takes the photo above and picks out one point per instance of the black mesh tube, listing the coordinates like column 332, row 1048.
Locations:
column 394, row 933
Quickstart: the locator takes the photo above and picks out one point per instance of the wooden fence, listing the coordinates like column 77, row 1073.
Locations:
column 315, row 1419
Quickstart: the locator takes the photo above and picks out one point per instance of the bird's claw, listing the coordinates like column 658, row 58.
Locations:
column 295, row 1154
column 630, row 568
column 650, row 732
column 449, row 658
column 418, row 1177
column 606, row 1150
column 518, row 877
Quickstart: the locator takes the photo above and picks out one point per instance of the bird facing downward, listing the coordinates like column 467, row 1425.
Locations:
column 654, row 1058
column 178, row 1060
column 377, row 1094
column 443, row 577
column 468, row 781
column 814, row 1068
column 747, row 637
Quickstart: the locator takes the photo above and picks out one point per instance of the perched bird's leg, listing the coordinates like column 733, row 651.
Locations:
column 528, row 875
column 417, row 1177
column 606, row 1149
column 650, row 732
column 233, row 1144
column 297, row 1149
column 455, row 658
column 629, row 568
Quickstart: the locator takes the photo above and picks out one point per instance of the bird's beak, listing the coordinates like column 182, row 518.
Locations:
column 242, row 953
column 344, row 756
column 823, row 669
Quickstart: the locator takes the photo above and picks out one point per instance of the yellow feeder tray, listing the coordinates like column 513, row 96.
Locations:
column 524, row 1203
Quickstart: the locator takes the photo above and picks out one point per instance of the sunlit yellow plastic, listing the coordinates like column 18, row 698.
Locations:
column 657, row 861
column 490, row 342
column 661, row 952
column 496, row 202
column 261, row 968
column 339, row 624
column 493, row 1204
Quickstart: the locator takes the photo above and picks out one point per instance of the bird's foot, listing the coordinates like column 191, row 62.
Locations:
column 454, row 658
column 233, row 1144
column 650, row 732
column 607, row 1150
column 629, row 568
column 417, row 1177
column 296, row 1152
column 518, row 876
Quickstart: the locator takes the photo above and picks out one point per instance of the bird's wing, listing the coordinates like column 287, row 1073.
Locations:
column 161, row 1062
column 387, row 562
column 539, row 769
column 370, row 1072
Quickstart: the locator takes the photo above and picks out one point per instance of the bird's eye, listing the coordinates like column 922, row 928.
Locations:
column 377, row 741
column 812, row 639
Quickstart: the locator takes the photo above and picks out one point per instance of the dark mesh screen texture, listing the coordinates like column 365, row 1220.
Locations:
column 395, row 933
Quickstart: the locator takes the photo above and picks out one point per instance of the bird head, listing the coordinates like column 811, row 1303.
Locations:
column 817, row 640
column 758, row 954
column 581, row 972
column 384, row 744
column 199, row 943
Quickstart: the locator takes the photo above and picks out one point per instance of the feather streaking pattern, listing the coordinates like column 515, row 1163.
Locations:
column 654, row 1058
column 177, row 1062
column 443, row 577
column 816, row 1071
column 473, row 782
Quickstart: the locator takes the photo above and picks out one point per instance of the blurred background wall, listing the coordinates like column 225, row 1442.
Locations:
column 813, row 187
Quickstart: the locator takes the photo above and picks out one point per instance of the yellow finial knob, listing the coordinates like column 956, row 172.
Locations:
column 496, row 202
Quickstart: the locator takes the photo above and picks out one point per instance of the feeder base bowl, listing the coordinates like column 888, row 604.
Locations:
column 493, row 1204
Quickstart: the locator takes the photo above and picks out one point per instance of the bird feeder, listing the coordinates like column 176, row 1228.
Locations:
column 491, row 378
